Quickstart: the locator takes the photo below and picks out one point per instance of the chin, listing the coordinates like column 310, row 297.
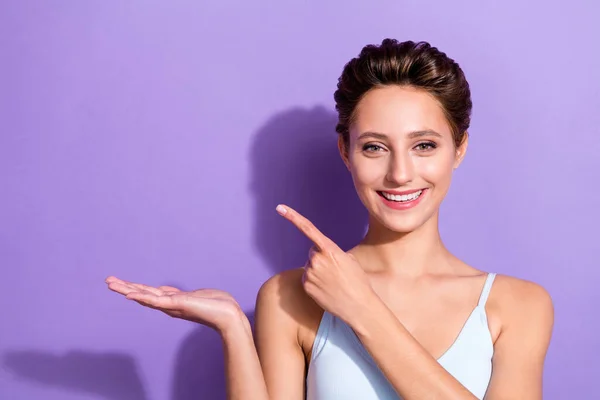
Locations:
column 402, row 225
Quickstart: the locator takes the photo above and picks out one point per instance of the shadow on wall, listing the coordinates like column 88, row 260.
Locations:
column 294, row 160
column 110, row 375
column 200, row 367
column 199, row 370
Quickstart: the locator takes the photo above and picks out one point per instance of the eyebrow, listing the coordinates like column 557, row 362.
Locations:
column 411, row 135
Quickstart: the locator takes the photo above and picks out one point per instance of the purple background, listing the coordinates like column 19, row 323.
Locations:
column 152, row 140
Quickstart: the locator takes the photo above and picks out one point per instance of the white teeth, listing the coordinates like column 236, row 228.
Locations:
column 401, row 198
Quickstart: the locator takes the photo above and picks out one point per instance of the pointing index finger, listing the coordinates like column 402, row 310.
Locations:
column 305, row 226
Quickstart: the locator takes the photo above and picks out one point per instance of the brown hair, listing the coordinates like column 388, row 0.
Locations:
column 405, row 63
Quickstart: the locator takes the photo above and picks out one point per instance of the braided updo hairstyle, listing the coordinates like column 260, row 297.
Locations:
column 413, row 64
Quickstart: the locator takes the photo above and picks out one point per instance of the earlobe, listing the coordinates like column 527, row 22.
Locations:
column 343, row 149
column 461, row 150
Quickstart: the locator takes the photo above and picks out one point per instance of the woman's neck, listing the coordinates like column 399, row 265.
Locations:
column 415, row 253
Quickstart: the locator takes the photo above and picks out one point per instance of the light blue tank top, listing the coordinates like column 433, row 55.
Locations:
column 342, row 369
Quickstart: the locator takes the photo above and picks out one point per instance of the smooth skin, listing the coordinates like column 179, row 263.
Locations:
column 403, row 293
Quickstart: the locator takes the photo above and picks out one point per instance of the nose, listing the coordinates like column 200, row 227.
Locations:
column 400, row 170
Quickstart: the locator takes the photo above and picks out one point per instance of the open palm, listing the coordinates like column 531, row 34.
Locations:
column 211, row 307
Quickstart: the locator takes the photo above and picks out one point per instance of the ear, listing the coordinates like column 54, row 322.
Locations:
column 461, row 150
column 343, row 149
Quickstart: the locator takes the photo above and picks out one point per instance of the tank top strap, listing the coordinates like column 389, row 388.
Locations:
column 487, row 287
column 322, row 334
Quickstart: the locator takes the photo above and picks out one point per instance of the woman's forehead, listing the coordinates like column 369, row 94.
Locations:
column 399, row 111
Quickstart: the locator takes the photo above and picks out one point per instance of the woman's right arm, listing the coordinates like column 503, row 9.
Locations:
column 243, row 375
column 277, row 309
column 218, row 310
column 280, row 306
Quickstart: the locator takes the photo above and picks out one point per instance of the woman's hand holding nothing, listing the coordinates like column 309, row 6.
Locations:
column 332, row 278
column 214, row 308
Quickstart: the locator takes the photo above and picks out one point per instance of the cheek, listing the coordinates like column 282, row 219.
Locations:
column 437, row 168
column 366, row 172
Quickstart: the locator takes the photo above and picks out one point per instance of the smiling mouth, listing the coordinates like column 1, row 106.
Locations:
column 403, row 198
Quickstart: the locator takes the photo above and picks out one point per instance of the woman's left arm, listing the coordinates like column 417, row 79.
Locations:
column 337, row 282
column 519, row 351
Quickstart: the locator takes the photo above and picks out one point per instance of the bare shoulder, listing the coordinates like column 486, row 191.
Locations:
column 522, row 293
column 522, row 303
column 527, row 316
column 285, row 289
column 283, row 295
column 282, row 308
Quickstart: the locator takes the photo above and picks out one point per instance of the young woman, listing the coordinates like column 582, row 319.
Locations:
column 398, row 315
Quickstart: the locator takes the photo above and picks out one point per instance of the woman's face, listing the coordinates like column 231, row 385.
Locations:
column 401, row 156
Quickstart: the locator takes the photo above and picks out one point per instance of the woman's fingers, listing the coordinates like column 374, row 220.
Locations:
column 169, row 289
column 143, row 287
column 322, row 242
column 153, row 301
column 312, row 251
column 111, row 279
column 129, row 288
column 167, row 299
column 121, row 284
column 153, row 290
column 122, row 288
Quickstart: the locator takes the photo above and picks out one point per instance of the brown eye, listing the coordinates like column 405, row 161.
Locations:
column 425, row 146
column 372, row 148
